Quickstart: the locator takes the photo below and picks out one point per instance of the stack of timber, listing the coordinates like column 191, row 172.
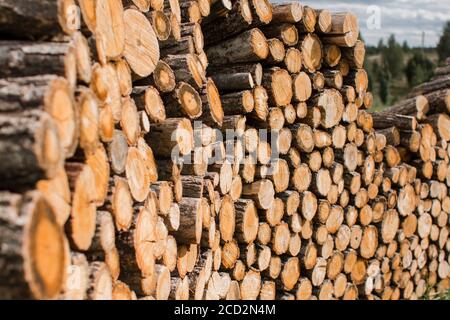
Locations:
column 416, row 162
column 309, row 198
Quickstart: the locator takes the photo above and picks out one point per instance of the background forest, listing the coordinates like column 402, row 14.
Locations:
column 395, row 68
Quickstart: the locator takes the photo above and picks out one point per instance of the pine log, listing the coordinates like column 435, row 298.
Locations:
column 33, row 256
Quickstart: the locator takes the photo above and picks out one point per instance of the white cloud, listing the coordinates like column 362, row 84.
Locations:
column 406, row 19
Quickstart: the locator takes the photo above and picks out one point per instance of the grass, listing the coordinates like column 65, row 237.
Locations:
column 436, row 296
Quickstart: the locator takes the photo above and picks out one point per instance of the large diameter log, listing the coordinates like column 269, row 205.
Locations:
column 173, row 135
column 48, row 92
column 191, row 215
column 30, row 149
column 33, row 256
column 38, row 19
column 252, row 46
column 141, row 48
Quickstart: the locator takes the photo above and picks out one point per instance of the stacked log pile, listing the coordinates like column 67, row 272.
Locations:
column 310, row 197
column 417, row 132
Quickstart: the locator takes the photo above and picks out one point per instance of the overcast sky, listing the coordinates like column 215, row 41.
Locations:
column 407, row 19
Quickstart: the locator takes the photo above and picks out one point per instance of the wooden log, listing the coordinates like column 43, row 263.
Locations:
column 279, row 85
column 344, row 29
column 186, row 68
column 26, row 241
column 277, row 51
column 285, row 32
column 211, row 102
column 110, row 27
column 30, row 149
column 190, row 229
column 262, row 192
column 287, row 12
column 50, row 93
column 253, row 47
column 262, row 10
column 39, row 20
column 105, row 83
column 293, row 60
column 246, row 221
column 100, row 282
column 22, row 59
column 222, row 27
column 308, row 22
column 177, row 128
column 311, row 49
column 184, row 100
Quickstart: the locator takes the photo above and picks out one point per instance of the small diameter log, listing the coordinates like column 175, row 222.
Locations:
column 187, row 68
column 355, row 55
column 213, row 113
column 251, row 285
column 252, row 46
column 164, row 77
column 255, row 70
column 247, row 221
column 293, row 60
column 285, row 32
column 184, row 100
column 191, row 214
column 161, row 24
column 331, row 106
column 277, row 51
column 302, row 87
column 217, row 28
column 148, row 99
column 278, row 82
column 238, row 102
column 82, row 221
column 172, row 133
column 344, row 30
column 311, row 49
column 262, row 192
column 287, row 12
column 137, row 174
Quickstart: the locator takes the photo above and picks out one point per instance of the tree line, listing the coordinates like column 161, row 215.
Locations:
column 395, row 68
